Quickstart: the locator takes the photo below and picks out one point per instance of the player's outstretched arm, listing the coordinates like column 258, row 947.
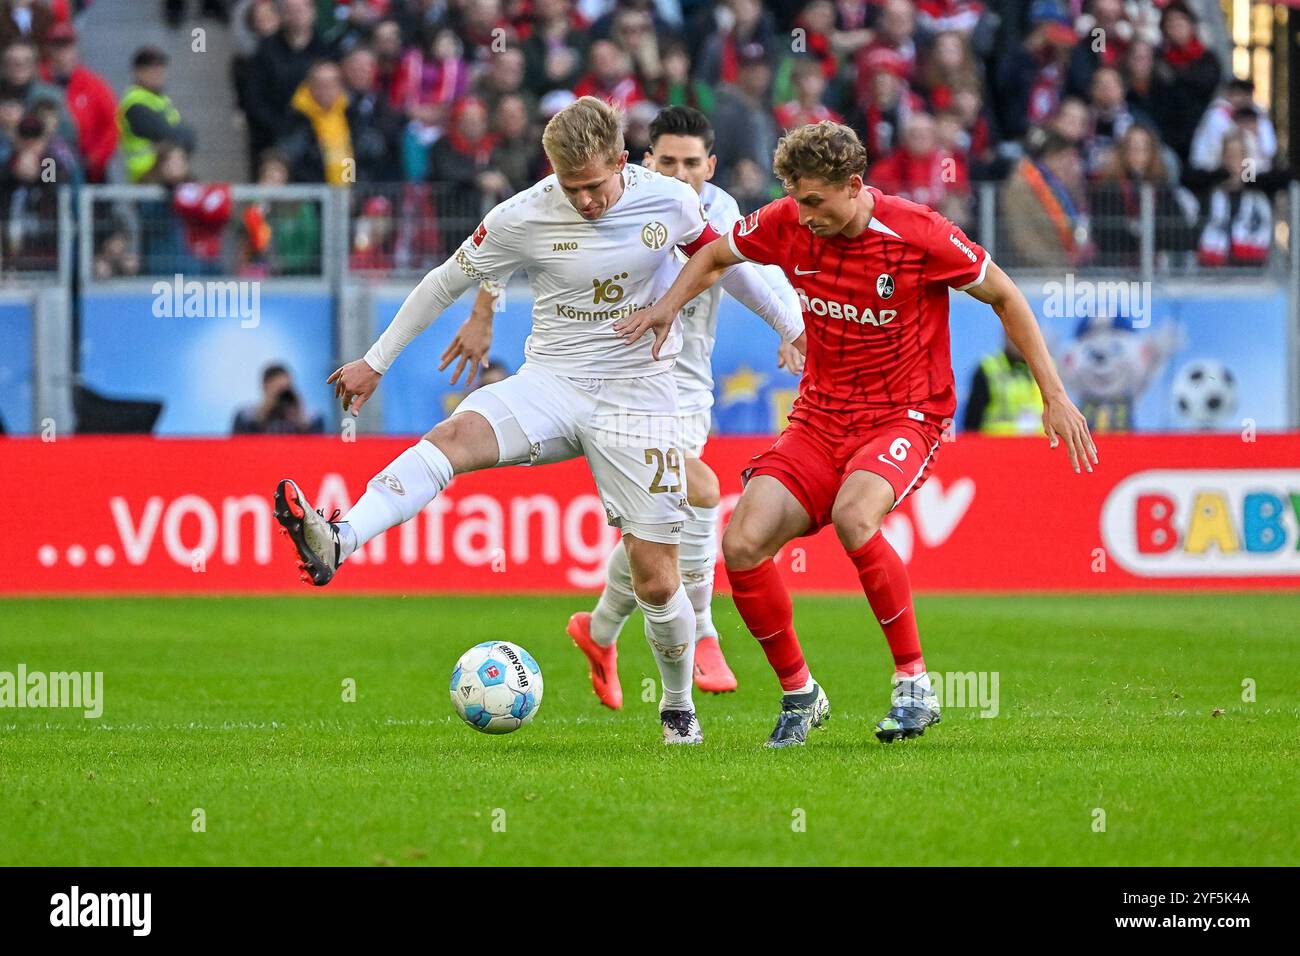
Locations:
column 355, row 382
column 701, row 271
column 746, row 284
column 1061, row 420
column 473, row 339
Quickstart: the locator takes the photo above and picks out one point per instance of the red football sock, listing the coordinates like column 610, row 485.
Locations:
column 884, row 579
column 764, row 605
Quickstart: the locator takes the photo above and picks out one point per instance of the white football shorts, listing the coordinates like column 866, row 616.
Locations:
column 627, row 428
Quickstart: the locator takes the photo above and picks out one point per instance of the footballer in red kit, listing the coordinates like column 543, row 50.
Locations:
column 873, row 273
column 877, row 390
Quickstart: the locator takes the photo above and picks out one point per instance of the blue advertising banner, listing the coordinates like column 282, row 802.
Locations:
column 415, row 395
column 205, row 367
column 17, row 367
column 1172, row 361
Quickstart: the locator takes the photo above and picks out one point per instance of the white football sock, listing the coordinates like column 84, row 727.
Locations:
column 617, row 600
column 922, row 681
column 670, row 629
column 399, row 492
column 808, row 685
column 698, row 555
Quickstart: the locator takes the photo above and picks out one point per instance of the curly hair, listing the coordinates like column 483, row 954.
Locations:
column 827, row 151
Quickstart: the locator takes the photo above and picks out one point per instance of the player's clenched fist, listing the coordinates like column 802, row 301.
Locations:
column 354, row 383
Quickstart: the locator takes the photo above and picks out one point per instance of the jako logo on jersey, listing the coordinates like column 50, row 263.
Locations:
column 970, row 253
column 607, row 290
column 654, row 235
column 748, row 225
column 884, row 285
column 564, row 247
column 845, row 311
column 480, row 234
column 1228, row 523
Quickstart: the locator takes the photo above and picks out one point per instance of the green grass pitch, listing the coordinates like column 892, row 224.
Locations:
column 1107, row 704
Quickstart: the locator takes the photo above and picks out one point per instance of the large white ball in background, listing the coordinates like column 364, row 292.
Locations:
column 1205, row 394
column 496, row 687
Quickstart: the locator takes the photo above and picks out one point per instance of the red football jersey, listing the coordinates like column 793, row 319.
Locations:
column 875, row 308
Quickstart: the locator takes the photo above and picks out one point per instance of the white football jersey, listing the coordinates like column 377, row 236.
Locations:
column 585, row 276
column 699, row 317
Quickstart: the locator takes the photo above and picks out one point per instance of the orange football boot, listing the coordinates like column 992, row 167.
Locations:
column 712, row 674
column 602, row 660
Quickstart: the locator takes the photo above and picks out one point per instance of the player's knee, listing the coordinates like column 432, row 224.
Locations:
column 467, row 441
column 855, row 522
column 704, row 490
column 741, row 548
column 656, row 591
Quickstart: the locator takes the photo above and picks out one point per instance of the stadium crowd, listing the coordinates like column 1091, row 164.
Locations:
column 432, row 110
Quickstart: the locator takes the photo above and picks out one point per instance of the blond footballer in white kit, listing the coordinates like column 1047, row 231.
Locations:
column 598, row 241
column 681, row 142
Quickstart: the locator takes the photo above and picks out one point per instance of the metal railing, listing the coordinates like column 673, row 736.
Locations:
column 129, row 233
column 346, row 240
column 1153, row 235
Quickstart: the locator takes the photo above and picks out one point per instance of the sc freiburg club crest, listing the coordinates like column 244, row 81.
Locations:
column 884, row 285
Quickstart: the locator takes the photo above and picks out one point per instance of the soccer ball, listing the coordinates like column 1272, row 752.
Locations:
column 496, row 687
column 1205, row 393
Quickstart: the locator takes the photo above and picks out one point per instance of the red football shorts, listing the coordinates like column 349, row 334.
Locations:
column 813, row 464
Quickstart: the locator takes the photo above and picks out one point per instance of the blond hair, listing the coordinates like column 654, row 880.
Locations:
column 826, row 151
column 586, row 130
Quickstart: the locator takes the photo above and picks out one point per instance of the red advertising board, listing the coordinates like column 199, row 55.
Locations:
column 141, row 515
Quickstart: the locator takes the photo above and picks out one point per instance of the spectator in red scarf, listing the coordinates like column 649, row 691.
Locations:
column 894, row 43
column 1186, row 76
column 923, row 172
column 817, row 21
column 430, row 80
column 881, row 113
column 386, row 41
column 851, row 33
column 90, row 100
column 807, row 107
column 948, row 64
column 1105, row 33
column 460, row 166
column 611, row 77
column 740, row 25
column 964, row 131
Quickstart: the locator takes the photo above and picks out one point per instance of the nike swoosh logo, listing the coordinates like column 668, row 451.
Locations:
column 890, row 463
column 801, row 272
